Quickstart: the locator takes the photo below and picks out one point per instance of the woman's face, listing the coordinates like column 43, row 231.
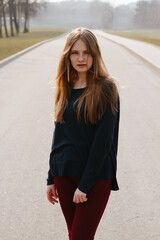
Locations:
column 80, row 58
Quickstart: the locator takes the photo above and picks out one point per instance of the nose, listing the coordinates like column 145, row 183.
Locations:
column 81, row 58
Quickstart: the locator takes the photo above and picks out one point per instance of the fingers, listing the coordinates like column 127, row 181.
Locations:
column 79, row 196
column 52, row 200
column 79, row 199
column 52, row 194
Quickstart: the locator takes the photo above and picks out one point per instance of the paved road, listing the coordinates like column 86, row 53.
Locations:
column 26, row 103
column 149, row 52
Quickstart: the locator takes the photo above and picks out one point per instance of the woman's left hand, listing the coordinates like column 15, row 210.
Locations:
column 79, row 196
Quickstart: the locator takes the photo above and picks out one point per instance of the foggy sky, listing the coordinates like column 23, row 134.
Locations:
column 112, row 2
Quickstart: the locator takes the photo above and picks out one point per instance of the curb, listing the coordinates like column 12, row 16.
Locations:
column 26, row 50
column 157, row 69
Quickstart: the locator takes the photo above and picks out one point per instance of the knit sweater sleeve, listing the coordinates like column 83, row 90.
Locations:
column 50, row 179
column 100, row 147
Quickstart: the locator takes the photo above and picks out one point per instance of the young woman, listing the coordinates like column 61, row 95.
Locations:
column 83, row 158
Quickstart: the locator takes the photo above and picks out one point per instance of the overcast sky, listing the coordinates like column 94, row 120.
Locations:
column 113, row 2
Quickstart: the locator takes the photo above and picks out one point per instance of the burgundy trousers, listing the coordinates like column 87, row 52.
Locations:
column 82, row 218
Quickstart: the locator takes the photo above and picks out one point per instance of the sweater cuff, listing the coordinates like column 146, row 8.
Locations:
column 50, row 181
column 83, row 189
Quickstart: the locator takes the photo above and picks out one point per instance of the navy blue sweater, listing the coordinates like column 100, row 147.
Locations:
column 86, row 151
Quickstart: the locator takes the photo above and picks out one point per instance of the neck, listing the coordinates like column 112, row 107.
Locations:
column 81, row 81
column 81, row 77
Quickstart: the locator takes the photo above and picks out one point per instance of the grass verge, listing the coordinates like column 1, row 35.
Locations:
column 149, row 36
column 12, row 45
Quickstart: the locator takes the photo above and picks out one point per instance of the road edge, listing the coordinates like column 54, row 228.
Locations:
column 26, row 50
column 133, row 52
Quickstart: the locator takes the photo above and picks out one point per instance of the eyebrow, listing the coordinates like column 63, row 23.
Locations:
column 77, row 50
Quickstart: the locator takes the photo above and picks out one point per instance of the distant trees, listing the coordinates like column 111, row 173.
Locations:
column 102, row 11
column 147, row 14
column 123, row 17
column 15, row 13
column 107, row 15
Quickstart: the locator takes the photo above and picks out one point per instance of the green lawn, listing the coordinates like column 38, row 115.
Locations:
column 11, row 45
column 150, row 36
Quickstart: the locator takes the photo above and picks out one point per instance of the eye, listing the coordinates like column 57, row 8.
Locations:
column 73, row 52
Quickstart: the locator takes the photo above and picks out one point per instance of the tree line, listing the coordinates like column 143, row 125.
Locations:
column 12, row 12
column 15, row 15
column 147, row 14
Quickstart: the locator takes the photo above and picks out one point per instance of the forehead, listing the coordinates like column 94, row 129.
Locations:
column 79, row 45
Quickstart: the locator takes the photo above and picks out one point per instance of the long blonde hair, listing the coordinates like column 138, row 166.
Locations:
column 101, row 87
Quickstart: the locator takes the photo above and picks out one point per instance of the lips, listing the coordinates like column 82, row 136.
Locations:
column 81, row 65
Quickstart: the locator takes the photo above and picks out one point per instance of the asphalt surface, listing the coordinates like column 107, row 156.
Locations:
column 150, row 53
column 26, row 106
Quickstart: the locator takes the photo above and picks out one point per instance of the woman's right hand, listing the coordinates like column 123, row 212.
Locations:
column 52, row 193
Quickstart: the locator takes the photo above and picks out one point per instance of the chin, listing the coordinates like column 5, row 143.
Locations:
column 81, row 70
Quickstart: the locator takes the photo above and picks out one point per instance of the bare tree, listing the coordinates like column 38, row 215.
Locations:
column 26, row 16
column 4, row 18
column 15, row 5
column 10, row 17
column 0, row 18
column 16, row 9
column 31, row 9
